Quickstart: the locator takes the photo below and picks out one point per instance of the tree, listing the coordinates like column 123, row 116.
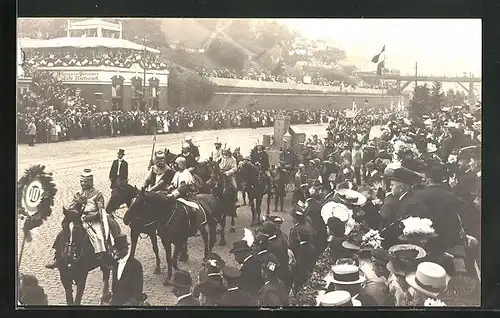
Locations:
column 454, row 98
column 145, row 31
column 419, row 104
column 187, row 88
column 436, row 97
column 42, row 28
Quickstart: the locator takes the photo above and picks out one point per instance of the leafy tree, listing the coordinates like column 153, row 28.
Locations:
column 186, row 88
column 436, row 96
column 454, row 98
column 419, row 104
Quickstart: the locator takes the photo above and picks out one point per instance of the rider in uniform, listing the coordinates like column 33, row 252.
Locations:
column 187, row 153
column 182, row 185
column 92, row 217
column 237, row 155
column 228, row 167
column 159, row 175
column 194, row 149
column 261, row 159
column 217, row 154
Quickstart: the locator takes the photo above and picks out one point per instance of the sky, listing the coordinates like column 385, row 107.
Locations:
column 439, row 46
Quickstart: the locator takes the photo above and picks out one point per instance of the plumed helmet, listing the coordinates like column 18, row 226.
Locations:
column 226, row 152
column 185, row 146
column 87, row 174
column 159, row 155
column 180, row 161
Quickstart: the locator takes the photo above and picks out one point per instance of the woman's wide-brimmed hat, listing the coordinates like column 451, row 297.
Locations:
column 350, row 196
column 347, row 274
column 430, row 279
column 404, row 258
column 334, row 209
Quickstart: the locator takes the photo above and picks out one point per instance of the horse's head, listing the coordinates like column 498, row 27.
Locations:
column 136, row 206
column 122, row 193
column 75, row 210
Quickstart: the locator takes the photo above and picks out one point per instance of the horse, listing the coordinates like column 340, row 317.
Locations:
column 224, row 193
column 124, row 193
column 256, row 187
column 77, row 257
column 172, row 222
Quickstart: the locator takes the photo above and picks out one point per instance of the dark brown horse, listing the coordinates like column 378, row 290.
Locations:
column 76, row 256
column 124, row 193
column 172, row 222
column 256, row 186
column 223, row 191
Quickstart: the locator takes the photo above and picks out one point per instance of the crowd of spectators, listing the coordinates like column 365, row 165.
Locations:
column 111, row 58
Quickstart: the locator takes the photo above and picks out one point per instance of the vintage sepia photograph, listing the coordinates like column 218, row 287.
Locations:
column 248, row 162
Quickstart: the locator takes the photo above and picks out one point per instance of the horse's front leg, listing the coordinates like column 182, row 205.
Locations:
column 204, row 235
column 252, row 208
column 154, row 243
column 67, row 283
column 175, row 257
column 105, row 295
column 268, row 203
column 80, row 287
column 258, row 203
column 222, row 241
column 168, row 252
column 134, row 236
column 232, row 229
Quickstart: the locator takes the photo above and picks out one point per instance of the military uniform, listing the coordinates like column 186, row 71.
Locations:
column 273, row 294
column 302, row 246
column 251, row 279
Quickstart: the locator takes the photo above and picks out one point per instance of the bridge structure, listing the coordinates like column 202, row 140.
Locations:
column 402, row 81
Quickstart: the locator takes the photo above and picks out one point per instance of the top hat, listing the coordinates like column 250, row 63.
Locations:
column 347, row 274
column 182, row 279
column 121, row 151
column 239, row 246
column 430, row 279
column 121, row 241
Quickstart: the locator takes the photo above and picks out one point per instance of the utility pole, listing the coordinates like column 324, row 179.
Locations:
column 144, row 75
column 416, row 75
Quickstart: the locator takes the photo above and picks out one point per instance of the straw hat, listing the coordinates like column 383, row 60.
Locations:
column 351, row 197
column 346, row 274
column 430, row 279
column 338, row 298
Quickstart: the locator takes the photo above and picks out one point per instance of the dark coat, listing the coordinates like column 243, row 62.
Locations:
column 251, row 279
column 305, row 254
column 262, row 158
column 188, row 301
column 443, row 208
column 235, row 297
column 272, row 294
column 314, row 212
column 128, row 289
column 113, row 177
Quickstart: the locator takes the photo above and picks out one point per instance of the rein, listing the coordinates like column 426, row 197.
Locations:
column 171, row 217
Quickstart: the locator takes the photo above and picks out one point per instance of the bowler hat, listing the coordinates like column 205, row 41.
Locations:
column 121, row 151
column 182, row 279
column 239, row 246
column 121, row 241
column 403, row 175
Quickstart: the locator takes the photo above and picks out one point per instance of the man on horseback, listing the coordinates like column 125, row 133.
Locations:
column 228, row 167
column 261, row 159
column 183, row 185
column 217, row 154
column 94, row 219
column 189, row 156
column 159, row 175
column 193, row 148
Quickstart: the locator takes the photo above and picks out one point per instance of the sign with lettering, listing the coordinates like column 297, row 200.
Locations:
column 32, row 196
column 77, row 76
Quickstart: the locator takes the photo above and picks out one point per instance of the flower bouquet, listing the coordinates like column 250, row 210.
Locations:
column 371, row 239
column 360, row 239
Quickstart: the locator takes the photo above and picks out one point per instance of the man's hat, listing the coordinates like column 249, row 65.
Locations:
column 403, row 175
column 121, row 152
column 231, row 273
column 269, row 228
column 430, row 279
column 121, row 241
column 346, row 274
column 239, row 246
column 159, row 155
column 337, row 298
column 276, row 219
column 188, row 138
column 181, row 279
column 437, row 171
column 211, row 288
column 470, row 152
column 351, row 197
column 217, row 142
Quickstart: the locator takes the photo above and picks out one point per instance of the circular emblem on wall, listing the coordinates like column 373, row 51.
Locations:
column 32, row 196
